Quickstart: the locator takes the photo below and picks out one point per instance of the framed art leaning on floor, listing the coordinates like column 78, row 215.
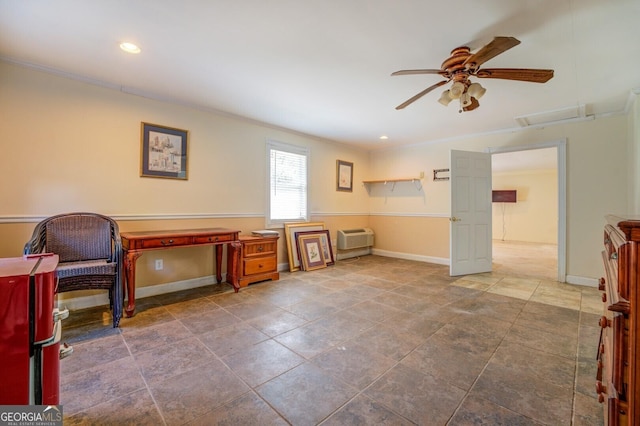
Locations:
column 311, row 254
column 290, row 228
column 325, row 241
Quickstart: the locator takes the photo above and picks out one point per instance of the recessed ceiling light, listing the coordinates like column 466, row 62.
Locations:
column 129, row 47
column 384, row 137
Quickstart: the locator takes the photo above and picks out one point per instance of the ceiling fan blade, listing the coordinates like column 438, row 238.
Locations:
column 421, row 94
column 520, row 74
column 410, row 72
column 497, row 46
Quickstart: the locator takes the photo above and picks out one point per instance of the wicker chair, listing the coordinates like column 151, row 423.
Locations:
column 90, row 252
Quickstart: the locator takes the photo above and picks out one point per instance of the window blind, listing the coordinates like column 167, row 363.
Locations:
column 287, row 183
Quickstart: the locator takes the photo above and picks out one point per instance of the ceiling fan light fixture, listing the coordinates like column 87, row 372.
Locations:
column 476, row 90
column 457, row 89
column 445, row 99
column 465, row 100
column 462, row 65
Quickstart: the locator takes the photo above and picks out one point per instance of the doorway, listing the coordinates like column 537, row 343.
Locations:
column 529, row 236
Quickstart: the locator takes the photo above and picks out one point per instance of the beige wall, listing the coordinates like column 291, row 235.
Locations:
column 74, row 146
column 534, row 217
column 597, row 181
column 412, row 237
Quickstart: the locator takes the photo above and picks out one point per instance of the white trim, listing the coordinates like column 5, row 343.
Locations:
column 409, row 256
column 135, row 217
column 561, row 150
column 631, row 99
column 583, row 281
column 169, row 216
column 313, row 214
column 396, row 214
column 147, row 291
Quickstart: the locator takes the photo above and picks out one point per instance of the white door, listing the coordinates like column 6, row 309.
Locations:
column 470, row 231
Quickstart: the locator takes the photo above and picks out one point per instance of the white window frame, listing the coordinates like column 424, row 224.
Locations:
column 294, row 149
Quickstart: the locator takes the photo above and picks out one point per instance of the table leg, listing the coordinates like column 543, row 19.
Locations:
column 218, row 263
column 130, row 278
column 233, row 267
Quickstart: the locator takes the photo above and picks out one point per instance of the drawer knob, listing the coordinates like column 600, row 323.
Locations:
column 614, row 255
column 260, row 248
column 260, row 265
column 164, row 243
column 604, row 322
column 604, row 297
column 600, row 388
column 601, row 284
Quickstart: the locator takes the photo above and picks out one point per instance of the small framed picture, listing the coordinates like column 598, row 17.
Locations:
column 163, row 152
column 325, row 241
column 311, row 252
column 344, row 176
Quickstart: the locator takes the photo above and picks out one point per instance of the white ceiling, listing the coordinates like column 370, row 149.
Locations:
column 323, row 67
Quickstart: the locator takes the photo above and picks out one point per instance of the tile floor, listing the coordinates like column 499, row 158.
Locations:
column 369, row 341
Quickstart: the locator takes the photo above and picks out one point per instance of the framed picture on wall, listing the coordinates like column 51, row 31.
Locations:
column 163, row 152
column 344, row 176
column 290, row 228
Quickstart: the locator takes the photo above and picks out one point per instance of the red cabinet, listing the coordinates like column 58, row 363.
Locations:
column 30, row 331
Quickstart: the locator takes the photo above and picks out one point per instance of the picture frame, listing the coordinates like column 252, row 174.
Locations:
column 163, row 152
column 311, row 252
column 325, row 240
column 289, row 229
column 344, row 176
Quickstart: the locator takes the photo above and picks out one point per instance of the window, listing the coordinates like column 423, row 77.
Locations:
column 288, row 167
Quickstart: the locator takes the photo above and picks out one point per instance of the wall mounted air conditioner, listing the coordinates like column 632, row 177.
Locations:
column 354, row 238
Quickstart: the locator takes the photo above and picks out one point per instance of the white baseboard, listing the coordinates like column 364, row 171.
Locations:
column 587, row 282
column 152, row 290
column 408, row 256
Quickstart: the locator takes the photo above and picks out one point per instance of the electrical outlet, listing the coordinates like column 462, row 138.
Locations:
column 159, row 264
column 421, row 175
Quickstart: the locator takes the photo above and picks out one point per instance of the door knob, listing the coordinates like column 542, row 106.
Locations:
column 455, row 219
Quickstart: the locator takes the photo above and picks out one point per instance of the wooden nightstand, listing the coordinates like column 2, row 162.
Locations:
column 258, row 260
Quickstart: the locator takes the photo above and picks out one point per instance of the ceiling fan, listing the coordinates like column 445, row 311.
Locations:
column 462, row 64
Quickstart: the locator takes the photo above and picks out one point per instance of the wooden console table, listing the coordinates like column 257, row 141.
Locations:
column 134, row 244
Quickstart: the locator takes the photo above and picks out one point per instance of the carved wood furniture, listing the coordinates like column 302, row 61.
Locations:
column 258, row 259
column 134, row 244
column 618, row 375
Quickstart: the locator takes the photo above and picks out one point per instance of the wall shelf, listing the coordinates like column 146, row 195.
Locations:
column 393, row 182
